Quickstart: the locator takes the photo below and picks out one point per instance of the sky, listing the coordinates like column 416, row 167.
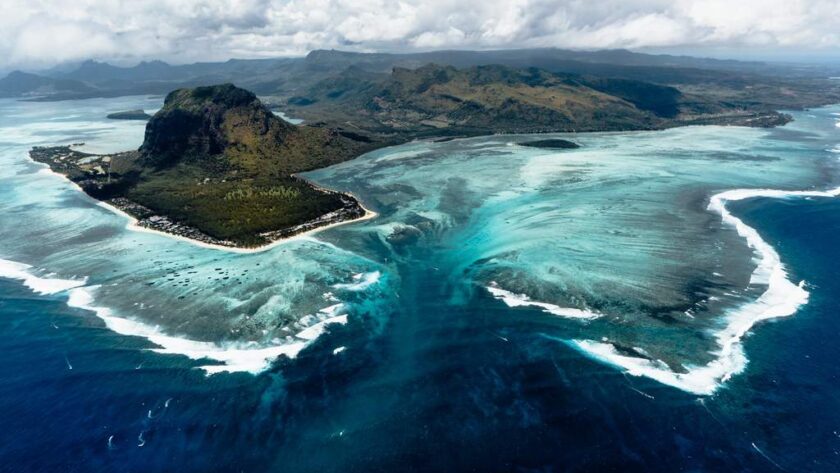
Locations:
column 44, row 33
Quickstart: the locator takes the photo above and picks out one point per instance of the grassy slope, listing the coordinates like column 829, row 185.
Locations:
column 237, row 210
column 486, row 99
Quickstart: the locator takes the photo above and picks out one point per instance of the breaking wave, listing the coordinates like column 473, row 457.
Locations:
column 521, row 300
column 782, row 297
column 249, row 357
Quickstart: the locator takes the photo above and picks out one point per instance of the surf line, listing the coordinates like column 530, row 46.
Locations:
column 781, row 298
column 249, row 357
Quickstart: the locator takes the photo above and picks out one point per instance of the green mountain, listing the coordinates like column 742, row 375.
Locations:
column 227, row 128
column 443, row 100
column 217, row 165
column 747, row 84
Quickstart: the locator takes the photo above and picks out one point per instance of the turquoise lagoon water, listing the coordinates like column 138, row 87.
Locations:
column 559, row 297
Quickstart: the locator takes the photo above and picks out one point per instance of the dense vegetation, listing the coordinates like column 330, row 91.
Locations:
column 235, row 210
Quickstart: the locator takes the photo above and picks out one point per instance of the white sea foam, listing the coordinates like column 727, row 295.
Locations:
column 361, row 281
column 781, row 298
column 521, row 300
column 315, row 325
column 248, row 357
column 40, row 285
column 314, row 331
column 245, row 357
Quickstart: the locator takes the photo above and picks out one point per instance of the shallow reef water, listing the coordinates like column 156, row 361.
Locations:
column 591, row 305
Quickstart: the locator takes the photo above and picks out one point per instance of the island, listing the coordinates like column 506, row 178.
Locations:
column 130, row 115
column 551, row 144
column 218, row 167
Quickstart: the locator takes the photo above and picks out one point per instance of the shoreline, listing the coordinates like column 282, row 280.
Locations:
column 134, row 223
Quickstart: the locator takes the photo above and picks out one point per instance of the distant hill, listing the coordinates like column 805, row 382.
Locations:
column 613, row 63
column 484, row 99
column 100, row 72
column 443, row 100
column 741, row 83
column 22, row 84
column 285, row 77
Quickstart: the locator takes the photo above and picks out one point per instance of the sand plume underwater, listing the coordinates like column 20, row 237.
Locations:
column 625, row 252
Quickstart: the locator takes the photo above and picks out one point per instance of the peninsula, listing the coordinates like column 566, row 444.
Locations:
column 218, row 167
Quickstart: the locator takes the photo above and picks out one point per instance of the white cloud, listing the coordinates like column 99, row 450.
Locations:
column 43, row 40
column 44, row 32
column 438, row 39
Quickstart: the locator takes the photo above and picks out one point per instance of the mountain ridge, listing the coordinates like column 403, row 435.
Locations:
column 285, row 77
column 441, row 99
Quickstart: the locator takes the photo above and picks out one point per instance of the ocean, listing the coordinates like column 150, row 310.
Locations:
column 626, row 306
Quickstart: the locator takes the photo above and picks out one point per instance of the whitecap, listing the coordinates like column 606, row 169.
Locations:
column 314, row 331
column 249, row 357
column 521, row 300
column 235, row 357
column 361, row 281
column 44, row 286
column 326, row 316
column 781, row 298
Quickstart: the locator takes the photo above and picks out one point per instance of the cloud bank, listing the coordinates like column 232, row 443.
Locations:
column 40, row 33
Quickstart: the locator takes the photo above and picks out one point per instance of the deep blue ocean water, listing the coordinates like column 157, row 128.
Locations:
column 453, row 397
